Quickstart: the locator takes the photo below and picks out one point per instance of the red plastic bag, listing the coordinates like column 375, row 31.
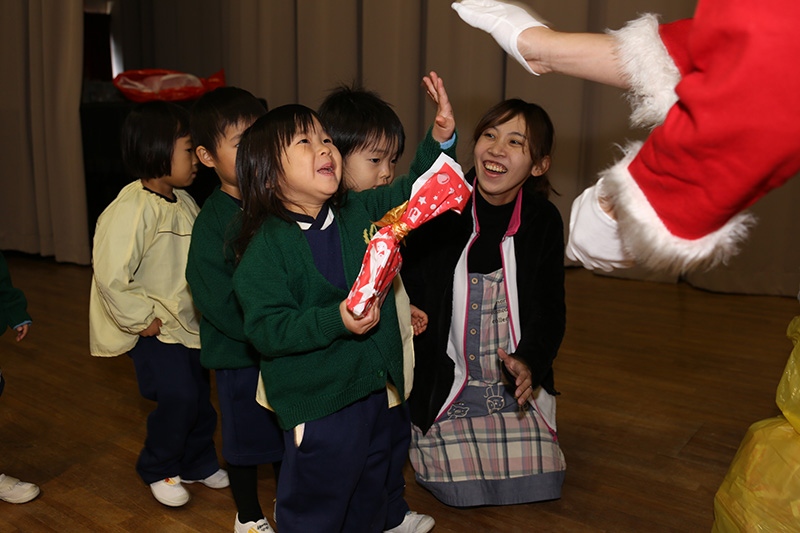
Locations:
column 145, row 85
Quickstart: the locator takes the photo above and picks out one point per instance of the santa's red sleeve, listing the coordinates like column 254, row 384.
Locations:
column 722, row 93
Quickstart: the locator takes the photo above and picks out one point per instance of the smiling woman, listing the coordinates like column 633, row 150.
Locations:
column 492, row 282
column 512, row 143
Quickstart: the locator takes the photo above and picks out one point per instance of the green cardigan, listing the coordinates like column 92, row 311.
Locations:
column 13, row 305
column 311, row 364
column 209, row 271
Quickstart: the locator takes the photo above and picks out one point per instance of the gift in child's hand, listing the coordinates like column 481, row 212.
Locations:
column 441, row 188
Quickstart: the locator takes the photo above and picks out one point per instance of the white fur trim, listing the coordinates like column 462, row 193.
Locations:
column 647, row 239
column 649, row 69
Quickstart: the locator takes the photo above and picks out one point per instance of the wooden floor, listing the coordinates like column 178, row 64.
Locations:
column 659, row 383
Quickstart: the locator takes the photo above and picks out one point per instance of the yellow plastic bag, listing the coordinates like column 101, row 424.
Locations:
column 788, row 395
column 761, row 491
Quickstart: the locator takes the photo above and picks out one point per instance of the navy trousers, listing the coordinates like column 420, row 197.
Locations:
column 400, row 421
column 335, row 479
column 180, row 430
column 250, row 433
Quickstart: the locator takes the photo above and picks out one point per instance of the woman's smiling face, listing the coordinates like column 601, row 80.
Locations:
column 503, row 161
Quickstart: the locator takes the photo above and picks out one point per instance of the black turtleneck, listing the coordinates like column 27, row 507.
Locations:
column 484, row 256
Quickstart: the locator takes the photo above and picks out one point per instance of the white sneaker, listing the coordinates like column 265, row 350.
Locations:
column 170, row 491
column 217, row 480
column 414, row 523
column 13, row 490
column 262, row 526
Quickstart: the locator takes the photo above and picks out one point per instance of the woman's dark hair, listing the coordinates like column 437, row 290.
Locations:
column 148, row 138
column 219, row 109
column 259, row 169
column 358, row 119
column 540, row 134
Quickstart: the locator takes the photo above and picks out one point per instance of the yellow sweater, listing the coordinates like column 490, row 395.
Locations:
column 139, row 258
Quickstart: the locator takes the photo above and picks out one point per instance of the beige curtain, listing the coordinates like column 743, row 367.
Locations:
column 43, row 203
column 296, row 51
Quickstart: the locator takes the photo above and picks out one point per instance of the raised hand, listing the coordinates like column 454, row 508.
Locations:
column 444, row 124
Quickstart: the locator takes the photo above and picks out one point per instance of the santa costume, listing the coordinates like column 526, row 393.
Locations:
column 722, row 94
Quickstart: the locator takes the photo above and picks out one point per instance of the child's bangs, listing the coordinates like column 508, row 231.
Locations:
column 381, row 141
column 302, row 123
column 279, row 127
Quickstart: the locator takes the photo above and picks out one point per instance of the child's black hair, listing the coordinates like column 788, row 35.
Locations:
column 219, row 109
column 259, row 168
column 148, row 138
column 356, row 119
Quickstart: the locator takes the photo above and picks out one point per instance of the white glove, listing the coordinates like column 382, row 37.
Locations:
column 504, row 21
column 593, row 237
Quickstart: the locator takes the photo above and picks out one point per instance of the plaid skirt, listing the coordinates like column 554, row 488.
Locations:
column 485, row 450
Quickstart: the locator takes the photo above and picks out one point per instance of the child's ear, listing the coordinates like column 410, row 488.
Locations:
column 205, row 157
column 541, row 167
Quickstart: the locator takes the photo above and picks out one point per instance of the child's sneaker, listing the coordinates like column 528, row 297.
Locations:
column 262, row 526
column 414, row 523
column 170, row 491
column 13, row 490
column 217, row 480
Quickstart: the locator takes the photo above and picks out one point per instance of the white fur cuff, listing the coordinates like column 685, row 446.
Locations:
column 646, row 238
column 650, row 70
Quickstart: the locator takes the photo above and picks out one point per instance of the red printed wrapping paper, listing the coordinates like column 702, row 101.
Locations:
column 441, row 188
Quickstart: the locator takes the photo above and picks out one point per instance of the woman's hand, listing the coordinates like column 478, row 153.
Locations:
column 444, row 124
column 522, row 375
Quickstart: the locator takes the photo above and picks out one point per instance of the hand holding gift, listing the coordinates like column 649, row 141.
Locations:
column 441, row 188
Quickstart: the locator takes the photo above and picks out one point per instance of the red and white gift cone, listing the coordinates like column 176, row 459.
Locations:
column 441, row 188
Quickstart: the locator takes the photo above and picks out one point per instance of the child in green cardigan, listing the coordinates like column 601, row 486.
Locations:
column 250, row 433
column 14, row 315
column 370, row 138
column 325, row 371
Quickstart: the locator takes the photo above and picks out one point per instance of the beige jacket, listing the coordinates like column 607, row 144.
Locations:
column 140, row 249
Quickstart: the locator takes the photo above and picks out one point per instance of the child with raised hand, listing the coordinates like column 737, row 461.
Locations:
column 368, row 134
column 325, row 371
column 13, row 315
column 140, row 302
column 370, row 138
column 250, row 433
